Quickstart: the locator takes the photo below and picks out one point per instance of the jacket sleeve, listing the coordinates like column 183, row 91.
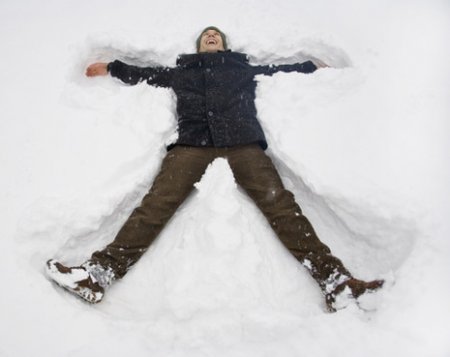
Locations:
column 268, row 70
column 158, row 76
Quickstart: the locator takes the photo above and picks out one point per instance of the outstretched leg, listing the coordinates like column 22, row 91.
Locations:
column 255, row 172
column 181, row 168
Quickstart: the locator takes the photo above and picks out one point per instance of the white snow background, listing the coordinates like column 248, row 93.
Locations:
column 364, row 145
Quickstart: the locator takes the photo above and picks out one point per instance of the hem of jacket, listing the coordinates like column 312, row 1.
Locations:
column 261, row 143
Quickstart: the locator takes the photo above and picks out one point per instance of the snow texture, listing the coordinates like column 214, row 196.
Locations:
column 364, row 146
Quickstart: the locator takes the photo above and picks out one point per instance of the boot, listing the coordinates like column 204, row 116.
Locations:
column 349, row 291
column 87, row 281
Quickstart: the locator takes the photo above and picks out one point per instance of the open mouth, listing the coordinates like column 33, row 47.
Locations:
column 211, row 42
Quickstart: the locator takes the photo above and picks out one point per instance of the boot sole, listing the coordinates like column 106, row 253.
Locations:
column 60, row 279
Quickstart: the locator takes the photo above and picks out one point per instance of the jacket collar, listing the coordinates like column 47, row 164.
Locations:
column 204, row 59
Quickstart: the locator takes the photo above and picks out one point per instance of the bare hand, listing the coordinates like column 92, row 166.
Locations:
column 97, row 69
column 319, row 63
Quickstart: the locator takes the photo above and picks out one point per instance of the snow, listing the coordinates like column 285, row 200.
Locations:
column 364, row 146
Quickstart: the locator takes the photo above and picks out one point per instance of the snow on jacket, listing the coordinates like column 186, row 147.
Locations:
column 215, row 95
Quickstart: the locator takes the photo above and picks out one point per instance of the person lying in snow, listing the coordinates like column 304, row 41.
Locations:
column 215, row 91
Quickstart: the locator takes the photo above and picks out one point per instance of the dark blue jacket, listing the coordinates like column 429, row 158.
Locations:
column 215, row 95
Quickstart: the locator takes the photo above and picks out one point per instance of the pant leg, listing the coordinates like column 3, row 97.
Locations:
column 181, row 168
column 256, row 174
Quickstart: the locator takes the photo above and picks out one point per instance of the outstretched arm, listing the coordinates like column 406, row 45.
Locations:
column 305, row 67
column 159, row 76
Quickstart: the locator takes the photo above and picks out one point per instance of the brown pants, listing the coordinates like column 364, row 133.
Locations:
column 254, row 172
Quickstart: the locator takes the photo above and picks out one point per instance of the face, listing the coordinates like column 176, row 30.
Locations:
column 211, row 41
